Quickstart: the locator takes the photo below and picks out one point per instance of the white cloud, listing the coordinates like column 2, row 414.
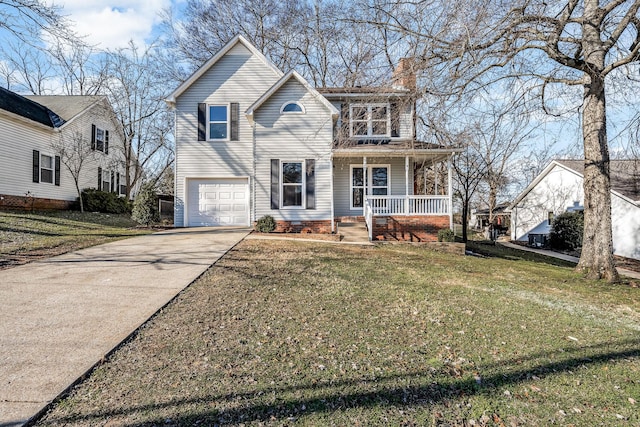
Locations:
column 112, row 24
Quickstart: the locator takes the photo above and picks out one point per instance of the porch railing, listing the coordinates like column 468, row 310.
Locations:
column 407, row 205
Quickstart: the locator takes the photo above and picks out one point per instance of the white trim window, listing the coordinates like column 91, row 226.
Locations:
column 292, row 107
column 292, row 175
column 218, row 122
column 370, row 120
column 46, row 168
column 378, row 183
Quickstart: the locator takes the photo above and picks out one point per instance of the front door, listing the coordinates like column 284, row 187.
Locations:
column 377, row 179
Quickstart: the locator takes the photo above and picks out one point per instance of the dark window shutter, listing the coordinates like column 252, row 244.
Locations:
column 344, row 118
column 93, row 137
column 99, row 178
column 36, row 166
column 275, row 184
column 57, row 171
column 310, row 168
column 395, row 119
column 118, row 183
column 235, row 121
column 202, row 122
column 113, row 182
column 106, row 142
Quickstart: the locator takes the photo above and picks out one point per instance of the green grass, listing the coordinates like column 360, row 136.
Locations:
column 299, row 333
column 31, row 235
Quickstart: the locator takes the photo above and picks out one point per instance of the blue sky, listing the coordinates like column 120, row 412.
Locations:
column 111, row 24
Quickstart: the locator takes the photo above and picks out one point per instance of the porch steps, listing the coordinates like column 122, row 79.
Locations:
column 353, row 232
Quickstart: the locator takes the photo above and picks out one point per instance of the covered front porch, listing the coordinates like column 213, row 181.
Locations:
column 400, row 194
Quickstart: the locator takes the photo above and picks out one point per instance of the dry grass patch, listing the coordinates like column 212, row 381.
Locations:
column 284, row 333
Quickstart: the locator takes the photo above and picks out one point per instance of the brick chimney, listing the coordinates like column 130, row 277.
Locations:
column 405, row 74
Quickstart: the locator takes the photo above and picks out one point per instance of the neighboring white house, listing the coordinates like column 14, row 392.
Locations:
column 559, row 188
column 32, row 126
column 254, row 141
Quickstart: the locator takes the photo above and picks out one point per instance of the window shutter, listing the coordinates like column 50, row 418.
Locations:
column 235, row 122
column 395, row 119
column 36, row 166
column 118, row 183
column 344, row 119
column 99, row 178
column 310, row 168
column 275, row 184
column 57, row 171
column 202, row 122
column 93, row 137
column 106, row 142
column 113, row 182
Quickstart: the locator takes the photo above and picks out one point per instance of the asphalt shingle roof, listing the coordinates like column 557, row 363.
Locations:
column 625, row 175
column 22, row 106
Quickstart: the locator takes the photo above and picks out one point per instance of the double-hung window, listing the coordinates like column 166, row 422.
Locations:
column 292, row 179
column 370, row 120
column 46, row 168
column 218, row 122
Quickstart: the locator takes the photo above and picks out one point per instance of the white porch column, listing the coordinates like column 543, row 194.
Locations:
column 364, row 183
column 406, row 185
column 450, row 190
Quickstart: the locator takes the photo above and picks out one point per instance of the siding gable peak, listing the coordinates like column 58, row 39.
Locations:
column 284, row 79
column 171, row 99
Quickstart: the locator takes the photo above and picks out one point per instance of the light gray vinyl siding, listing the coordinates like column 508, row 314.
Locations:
column 342, row 180
column 237, row 77
column 20, row 137
column 293, row 137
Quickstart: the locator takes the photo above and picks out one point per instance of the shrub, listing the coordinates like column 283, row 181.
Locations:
column 104, row 201
column 446, row 235
column 145, row 206
column 266, row 224
column 566, row 231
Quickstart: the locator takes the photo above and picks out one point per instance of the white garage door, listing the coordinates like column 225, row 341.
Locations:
column 218, row 202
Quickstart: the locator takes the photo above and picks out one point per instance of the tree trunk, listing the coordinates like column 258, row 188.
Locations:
column 596, row 260
column 465, row 218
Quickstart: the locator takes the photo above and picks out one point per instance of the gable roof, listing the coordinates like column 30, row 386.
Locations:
column 625, row 177
column 29, row 109
column 291, row 74
column 66, row 106
column 171, row 99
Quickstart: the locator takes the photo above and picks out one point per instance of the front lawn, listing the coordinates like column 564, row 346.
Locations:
column 299, row 333
column 25, row 236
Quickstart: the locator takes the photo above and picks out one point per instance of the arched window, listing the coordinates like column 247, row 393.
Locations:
column 292, row 107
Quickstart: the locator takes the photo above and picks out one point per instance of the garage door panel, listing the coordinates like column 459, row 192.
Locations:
column 214, row 202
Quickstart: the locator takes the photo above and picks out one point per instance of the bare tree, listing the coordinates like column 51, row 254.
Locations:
column 135, row 88
column 27, row 20
column 561, row 43
column 75, row 152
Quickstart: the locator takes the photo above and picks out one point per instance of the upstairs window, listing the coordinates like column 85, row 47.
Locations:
column 292, row 107
column 370, row 120
column 218, row 122
column 99, row 139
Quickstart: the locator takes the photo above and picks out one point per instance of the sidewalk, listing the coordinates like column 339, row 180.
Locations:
column 622, row 271
column 59, row 317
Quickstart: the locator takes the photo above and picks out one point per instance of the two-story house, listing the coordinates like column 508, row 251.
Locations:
column 34, row 128
column 254, row 141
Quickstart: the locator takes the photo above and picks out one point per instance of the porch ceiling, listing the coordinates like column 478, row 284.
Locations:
column 387, row 151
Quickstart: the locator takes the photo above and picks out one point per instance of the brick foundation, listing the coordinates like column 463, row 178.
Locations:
column 24, row 203
column 320, row 227
column 409, row 228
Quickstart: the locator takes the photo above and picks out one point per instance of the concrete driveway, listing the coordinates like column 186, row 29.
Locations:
column 61, row 316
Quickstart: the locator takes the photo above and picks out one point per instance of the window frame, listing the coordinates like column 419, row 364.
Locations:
column 303, row 185
column 209, row 122
column 369, row 180
column 52, row 169
column 302, row 109
column 370, row 120
column 100, row 142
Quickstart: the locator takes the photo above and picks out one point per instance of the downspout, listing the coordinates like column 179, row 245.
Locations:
column 253, row 178
column 450, row 190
